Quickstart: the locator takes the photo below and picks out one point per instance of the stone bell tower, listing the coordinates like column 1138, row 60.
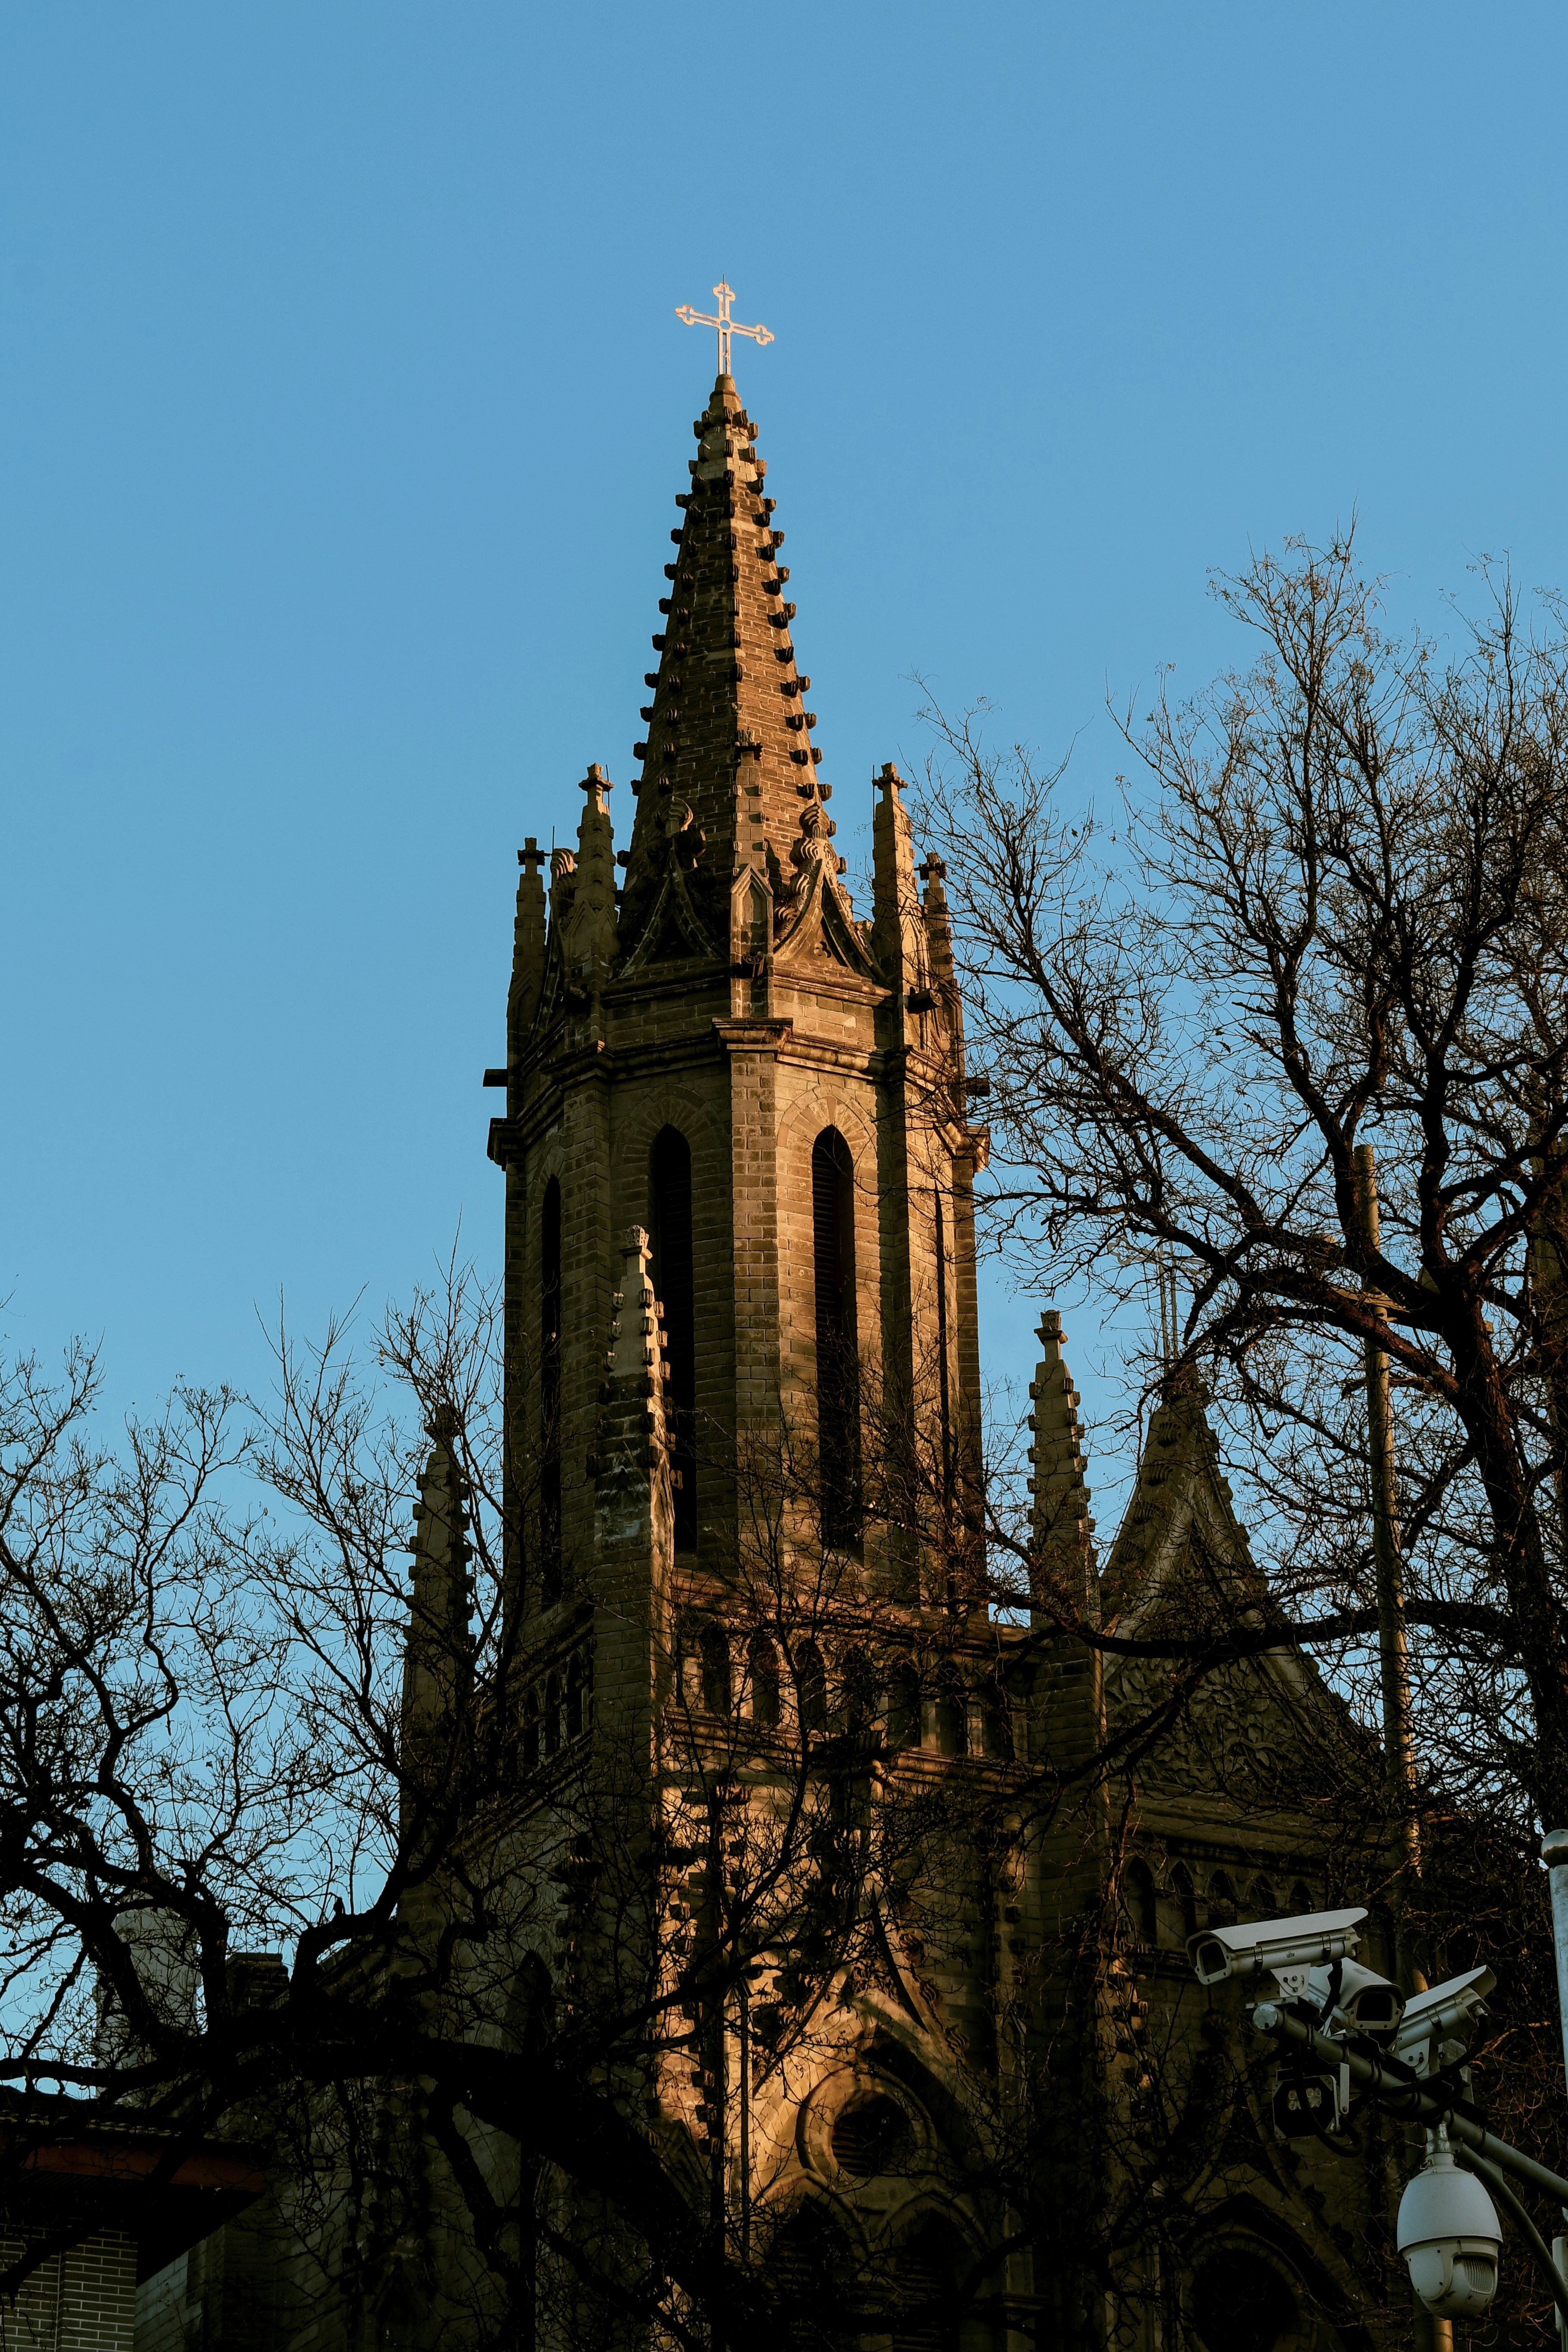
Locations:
column 708, row 1047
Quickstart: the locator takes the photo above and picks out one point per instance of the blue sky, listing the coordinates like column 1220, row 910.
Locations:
column 341, row 408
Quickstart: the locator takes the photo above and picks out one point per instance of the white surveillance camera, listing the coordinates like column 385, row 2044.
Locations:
column 1289, row 1949
column 1460, row 2002
column 1450, row 2237
column 1353, row 2000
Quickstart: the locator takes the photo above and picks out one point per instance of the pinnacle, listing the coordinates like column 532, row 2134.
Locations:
column 1062, row 1530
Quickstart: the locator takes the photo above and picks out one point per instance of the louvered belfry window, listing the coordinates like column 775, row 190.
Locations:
column 671, row 1190
column 550, row 1393
column 838, row 1384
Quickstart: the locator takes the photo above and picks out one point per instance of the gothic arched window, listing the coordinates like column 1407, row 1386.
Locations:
column 812, row 2265
column 927, row 2268
column 1138, row 1889
column 859, row 1687
column 669, row 1221
column 550, row 1393
column 904, row 1707
column 838, row 1386
column 579, row 1694
column 811, row 1687
column 713, row 1652
column 951, row 1713
column 763, row 1664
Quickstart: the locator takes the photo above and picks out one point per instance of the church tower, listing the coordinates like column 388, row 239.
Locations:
column 935, row 2080
column 706, row 1043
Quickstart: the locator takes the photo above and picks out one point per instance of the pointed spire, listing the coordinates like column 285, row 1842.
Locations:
column 728, row 733
column 1061, row 1531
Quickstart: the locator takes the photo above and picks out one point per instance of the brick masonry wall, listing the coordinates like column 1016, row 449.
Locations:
column 81, row 2301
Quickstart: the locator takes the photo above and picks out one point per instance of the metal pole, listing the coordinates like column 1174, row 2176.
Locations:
column 1555, row 1855
column 1552, row 2263
column 1398, row 1739
column 1407, row 2099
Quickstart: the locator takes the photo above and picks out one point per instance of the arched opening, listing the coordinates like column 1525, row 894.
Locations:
column 928, row 2270
column 550, row 1393
column 669, row 1222
column 811, row 1687
column 859, row 1690
column 1241, row 2303
column 951, row 1714
column 1138, row 1891
column 998, row 1723
column 1260, row 1899
column 904, row 1707
column 579, row 1694
column 1300, row 1900
column 713, row 1655
column 814, row 2281
column 1186, row 1899
column 763, row 1667
column 838, row 1385
column 1222, row 1900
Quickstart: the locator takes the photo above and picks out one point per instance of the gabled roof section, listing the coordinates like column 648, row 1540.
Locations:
column 728, row 758
column 1266, row 1733
column 1180, row 1522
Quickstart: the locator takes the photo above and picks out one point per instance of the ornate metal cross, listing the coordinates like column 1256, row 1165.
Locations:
column 727, row 326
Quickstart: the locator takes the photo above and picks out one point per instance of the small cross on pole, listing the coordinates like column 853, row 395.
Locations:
column 727, row 326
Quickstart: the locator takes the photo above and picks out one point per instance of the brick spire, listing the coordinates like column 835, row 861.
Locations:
column 727, row 765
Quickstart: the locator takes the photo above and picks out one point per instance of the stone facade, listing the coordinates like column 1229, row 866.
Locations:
column 729, row 993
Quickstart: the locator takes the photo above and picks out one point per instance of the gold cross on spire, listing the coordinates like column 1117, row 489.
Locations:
column 727, row 326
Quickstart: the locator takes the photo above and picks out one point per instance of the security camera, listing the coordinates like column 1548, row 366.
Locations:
column 1460, row 2003
column 1289, row 1949
column 1353, row 2000
column 1309, row 2101
column 1450, row 2235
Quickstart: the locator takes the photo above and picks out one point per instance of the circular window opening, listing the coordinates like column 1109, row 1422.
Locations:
column 873, row 2136
column 1240, row 2303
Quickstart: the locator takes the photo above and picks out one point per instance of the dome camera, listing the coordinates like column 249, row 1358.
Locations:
column 1449, row 2236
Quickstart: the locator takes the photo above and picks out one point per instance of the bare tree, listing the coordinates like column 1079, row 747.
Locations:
column 1335, row 916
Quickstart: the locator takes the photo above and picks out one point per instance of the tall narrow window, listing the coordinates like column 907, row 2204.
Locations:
column 669, row 1190
column 550, row 1393
column 838, row 1401
column 811, row 1687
